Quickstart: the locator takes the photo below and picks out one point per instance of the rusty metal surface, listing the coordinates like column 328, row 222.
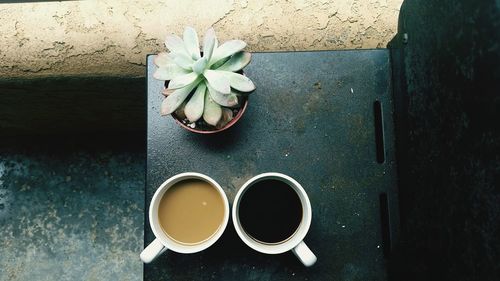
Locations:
column 311, row 117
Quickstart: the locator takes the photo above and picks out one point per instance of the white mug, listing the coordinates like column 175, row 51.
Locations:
column 163, row 241
column 295, row 243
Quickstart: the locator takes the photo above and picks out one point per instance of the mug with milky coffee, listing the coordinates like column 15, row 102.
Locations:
column 272, row 214
column 188, row 213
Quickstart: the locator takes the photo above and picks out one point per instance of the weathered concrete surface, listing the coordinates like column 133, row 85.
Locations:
column 113, row 37
column 71, row 214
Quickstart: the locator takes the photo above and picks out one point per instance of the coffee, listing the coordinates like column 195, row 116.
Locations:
column 270, row 211
column 191, row 211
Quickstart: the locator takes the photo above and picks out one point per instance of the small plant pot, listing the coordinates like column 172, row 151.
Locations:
column 236, row 118
column 224, row 70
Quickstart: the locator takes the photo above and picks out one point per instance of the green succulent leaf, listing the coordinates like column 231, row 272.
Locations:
column 227, row 49
column 182, row 80
column 175, row 99
column 230, row 100
column 184, row 61
column 237, row 62
column 200, row 65
column 175, row 44
column 191, row 42
column 218, row 64
column 166, row 92
column 195, row 105
column 239, row 94
column 169, row 72
column 212, row 112
column 218, row 80
column 162, row 59
column 237, row 81
column 209, row 43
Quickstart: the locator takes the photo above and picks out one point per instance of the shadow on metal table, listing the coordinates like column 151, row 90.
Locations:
column 324, row 118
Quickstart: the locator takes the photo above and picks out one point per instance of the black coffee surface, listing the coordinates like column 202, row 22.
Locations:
column 270, row 211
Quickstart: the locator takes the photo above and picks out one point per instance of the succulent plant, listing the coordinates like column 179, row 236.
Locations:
column 203, row 84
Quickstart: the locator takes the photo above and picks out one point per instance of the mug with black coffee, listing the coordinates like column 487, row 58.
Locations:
column 272, row 214
column 188, row 213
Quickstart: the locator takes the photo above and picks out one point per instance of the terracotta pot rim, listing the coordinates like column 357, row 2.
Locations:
column 228, row 125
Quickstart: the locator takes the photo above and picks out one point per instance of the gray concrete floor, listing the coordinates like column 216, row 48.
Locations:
column 71, row 213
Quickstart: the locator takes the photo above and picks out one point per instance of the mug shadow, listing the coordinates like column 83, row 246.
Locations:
column 219, row 142
column 228, row 257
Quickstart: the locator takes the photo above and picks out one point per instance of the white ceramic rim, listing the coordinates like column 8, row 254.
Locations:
column 299, row 234
column 168, row 242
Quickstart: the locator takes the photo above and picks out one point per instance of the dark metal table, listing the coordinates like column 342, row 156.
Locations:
column 324, row 118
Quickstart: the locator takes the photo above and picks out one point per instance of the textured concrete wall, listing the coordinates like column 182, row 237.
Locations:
column 113, row 37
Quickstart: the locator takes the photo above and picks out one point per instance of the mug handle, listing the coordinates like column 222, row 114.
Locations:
column 304, row 254
column 152, row 251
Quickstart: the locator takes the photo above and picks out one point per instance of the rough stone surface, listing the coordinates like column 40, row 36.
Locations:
column 114, row 37
column 71, row 215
